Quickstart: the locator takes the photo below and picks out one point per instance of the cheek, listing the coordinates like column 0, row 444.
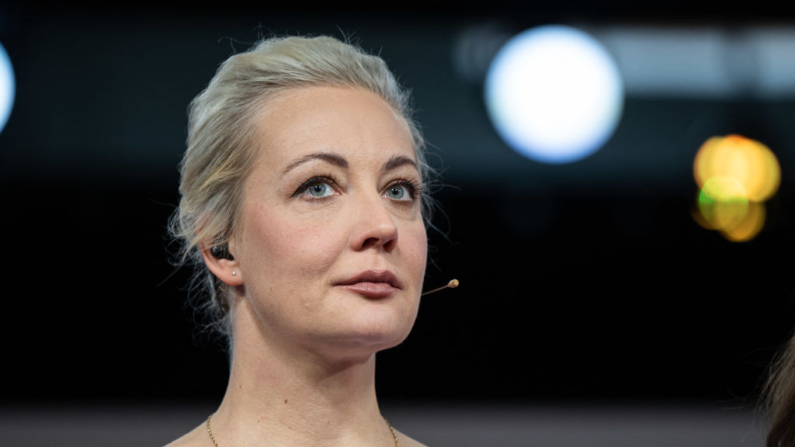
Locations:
column 286, row 257
column 416, row 249
column 296, row 247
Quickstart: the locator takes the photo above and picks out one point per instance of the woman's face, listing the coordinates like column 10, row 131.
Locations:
column 332, row 247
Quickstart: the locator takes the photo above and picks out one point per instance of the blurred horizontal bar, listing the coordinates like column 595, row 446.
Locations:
column 703, row 63
column 464, row 425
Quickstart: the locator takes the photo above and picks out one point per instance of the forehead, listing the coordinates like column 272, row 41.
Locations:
column 353, row 122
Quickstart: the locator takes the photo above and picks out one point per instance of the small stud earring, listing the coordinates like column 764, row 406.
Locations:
column 233, row 273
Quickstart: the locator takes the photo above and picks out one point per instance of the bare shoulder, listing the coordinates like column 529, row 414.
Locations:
column 406, row 441
column 195, row 438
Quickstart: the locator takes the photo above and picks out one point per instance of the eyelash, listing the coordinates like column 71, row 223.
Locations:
column 328, row 178
column 414, row 188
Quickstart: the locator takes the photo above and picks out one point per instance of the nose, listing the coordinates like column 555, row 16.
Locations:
column 374, row 226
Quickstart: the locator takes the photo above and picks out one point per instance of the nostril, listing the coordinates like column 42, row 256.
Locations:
column 375, row 231
column 370, row 242
column 373, row 242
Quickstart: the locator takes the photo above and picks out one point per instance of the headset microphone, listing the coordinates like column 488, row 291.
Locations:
column 451, row 285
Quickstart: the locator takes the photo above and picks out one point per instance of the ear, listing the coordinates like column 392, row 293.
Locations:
column 227, row 270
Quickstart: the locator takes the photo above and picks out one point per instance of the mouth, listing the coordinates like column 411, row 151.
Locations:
column 372, row 283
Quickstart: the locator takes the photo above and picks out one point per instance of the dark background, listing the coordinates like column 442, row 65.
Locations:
column 581, row 282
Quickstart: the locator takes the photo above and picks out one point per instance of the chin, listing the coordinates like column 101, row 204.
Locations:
column 364, row 340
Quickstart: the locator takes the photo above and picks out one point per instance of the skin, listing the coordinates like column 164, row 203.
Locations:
column 303, row 370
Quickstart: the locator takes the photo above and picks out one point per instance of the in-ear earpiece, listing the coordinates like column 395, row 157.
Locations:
column 221, row 252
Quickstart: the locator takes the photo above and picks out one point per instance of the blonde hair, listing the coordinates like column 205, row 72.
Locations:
column 220, row 147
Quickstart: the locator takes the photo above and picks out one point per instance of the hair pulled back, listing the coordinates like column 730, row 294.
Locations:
column 220, row 146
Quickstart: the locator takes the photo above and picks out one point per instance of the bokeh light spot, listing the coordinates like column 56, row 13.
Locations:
column 749, row 227
column 7, row 87
column 749, row 162
column 554, row 94
column 736, row 175
column 723, row 203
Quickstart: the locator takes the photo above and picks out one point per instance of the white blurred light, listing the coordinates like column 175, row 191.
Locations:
column 7, row 87
column 554, row 94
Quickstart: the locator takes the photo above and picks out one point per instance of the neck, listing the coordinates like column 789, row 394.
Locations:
column 282, row 394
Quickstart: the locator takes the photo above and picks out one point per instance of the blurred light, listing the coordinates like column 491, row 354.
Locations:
column 750, row 226
column 749, row 162
column 554, row 94
column 723, row 203
column 736, row 175
column 703, row 62
column 7, row 87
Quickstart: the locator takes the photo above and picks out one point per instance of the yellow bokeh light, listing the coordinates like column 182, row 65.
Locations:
column 750, row 226
column 723, row 203
column 699, row 217
column 752, row 164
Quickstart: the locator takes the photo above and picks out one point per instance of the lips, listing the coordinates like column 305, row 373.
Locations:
column 372, row 283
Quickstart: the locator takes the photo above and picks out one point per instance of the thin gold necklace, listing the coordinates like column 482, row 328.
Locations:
column 210, row 432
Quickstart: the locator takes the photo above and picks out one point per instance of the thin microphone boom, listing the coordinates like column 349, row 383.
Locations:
column 452, row 285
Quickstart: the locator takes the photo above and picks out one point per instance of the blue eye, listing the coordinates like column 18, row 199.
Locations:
column 397, row 192
column 401, row 192
column 320, row 189
column 316, row 188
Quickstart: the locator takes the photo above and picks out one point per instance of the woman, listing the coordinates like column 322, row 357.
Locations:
column 780, row 396
column 302, row 205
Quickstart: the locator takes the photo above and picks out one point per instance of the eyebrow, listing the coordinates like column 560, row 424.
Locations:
column 336, row 159
column 328, row 157
column 397, row 161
